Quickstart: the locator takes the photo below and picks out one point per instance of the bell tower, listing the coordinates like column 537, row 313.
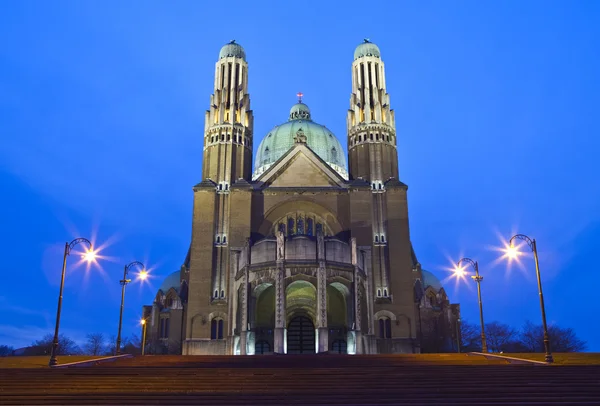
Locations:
column 372, row 153
column 371, row 126
column 227, row 151
column 229, row 122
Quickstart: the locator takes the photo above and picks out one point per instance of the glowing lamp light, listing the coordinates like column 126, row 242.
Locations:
column 512, row 252
column 143, row 275
column 89, row 256
column 459, row 271
column 143, row 321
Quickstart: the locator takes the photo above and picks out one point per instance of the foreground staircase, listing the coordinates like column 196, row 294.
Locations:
column 435, row 379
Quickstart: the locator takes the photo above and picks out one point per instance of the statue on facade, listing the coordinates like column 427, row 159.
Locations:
column 320, row 244
column 280, row 246
column 354, row 253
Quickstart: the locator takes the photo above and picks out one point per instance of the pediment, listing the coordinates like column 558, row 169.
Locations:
column 301, row 167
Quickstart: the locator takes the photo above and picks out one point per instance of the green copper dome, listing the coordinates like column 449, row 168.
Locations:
column 232, row 49
column 367, row 48
column 282, row 138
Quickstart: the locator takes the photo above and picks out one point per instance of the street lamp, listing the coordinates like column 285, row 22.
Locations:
column 124, row 282
column 144, row 324
column 477, row 278
column 89, row 256
column 513, row 252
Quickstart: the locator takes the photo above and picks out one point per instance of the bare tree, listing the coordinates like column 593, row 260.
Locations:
column 561, row 339
column 111, row 346
column 6, row 350
column 470, row 337
column 95, row 344
column 499, row 336
column 66, row 346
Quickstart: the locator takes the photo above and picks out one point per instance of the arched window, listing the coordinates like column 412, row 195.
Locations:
column 319, row 228
column 282, row 227
column 385, row 327
column 385, row 293
column 376, row 238
column 216, row 293
column 224, row 239
column 222, row 294
column 300, row 226
column 218, row 239
column 334, row 154
column 213, row 329
column 309, row 226
column 290, row 226
column 216, row 329
column 378, row 292
column 266, row 155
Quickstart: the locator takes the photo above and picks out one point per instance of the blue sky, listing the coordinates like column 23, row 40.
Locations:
column 101, row 119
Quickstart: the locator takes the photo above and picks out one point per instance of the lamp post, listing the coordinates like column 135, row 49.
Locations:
column 89, row 256
column 513, row 253
column 143, row 321
column 477, row 278
column 458, row 335
column 124, row 282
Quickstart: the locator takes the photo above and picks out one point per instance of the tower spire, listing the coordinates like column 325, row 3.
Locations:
column 299, row 94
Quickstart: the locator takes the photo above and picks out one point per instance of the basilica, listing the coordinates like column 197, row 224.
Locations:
column 307, row 250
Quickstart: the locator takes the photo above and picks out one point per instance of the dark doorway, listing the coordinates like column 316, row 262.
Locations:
column 301, row 336
column 339, row 347
column 262, row 347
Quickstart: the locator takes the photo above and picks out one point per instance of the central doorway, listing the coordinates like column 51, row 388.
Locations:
column 301, row 336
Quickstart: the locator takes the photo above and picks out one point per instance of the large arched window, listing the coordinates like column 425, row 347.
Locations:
column 301, row 223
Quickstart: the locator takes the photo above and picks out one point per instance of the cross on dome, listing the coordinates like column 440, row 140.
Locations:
column 299, row 94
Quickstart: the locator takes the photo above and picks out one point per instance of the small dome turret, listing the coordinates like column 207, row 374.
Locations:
column 299, row 111
column 367, row 48
column 232, row 49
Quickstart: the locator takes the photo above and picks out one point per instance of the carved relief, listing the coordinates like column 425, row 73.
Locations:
column 322, row 287
column 279, row 300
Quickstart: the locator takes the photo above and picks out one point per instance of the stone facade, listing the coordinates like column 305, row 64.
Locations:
column 301, row 256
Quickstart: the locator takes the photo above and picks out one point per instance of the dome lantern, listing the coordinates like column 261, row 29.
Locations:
column 232, row 49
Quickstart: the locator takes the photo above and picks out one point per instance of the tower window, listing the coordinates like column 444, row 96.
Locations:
column 216, row 293
column 290, row 226
column 334, row 154
column 218, row 239
column 376, row 238
column 371, row 136
column 216, row 329
column 309, row 226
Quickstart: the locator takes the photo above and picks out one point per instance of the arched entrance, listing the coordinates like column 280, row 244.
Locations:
column 301, row 336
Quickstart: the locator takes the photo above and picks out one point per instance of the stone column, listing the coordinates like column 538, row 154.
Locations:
column 280, row 308
column 357, row 299
column 322, row 330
